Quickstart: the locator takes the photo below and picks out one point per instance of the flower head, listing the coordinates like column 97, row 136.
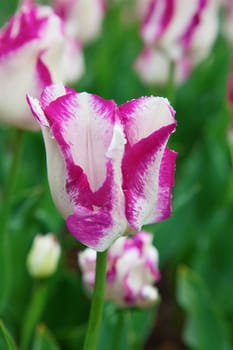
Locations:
column 83, row 18
column 176, row 31
column 34, row 52
column 44, row 255
column 132, row 270
column 108, row 166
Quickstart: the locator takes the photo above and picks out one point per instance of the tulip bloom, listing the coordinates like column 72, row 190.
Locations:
column 83, row 18
column 176, row 30
column 44, row 255
column 132, row 269
column 34, row 52
column 108, row 167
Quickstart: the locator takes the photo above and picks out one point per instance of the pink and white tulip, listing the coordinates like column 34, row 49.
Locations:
column 83, row 18
column 34, row 52
column 109, row 167
column 153, row 67
column 132, row 270
column 176, row 31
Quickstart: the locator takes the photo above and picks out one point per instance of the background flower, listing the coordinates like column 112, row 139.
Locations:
column 34, row 51
column 176, row 31
column 83, row 18
column 132, row 270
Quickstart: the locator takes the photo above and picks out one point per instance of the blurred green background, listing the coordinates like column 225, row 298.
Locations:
column 195, row 244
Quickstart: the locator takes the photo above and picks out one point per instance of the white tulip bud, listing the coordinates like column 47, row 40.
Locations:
column 44, row 255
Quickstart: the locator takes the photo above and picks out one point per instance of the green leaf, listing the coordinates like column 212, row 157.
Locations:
column 72, row 337
column 205, row 329
column 44, row 340
column 8, row 340
column 125, row 329
column 33, row 314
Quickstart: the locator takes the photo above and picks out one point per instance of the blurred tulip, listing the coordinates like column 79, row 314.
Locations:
column 44, row 255
column 83, row 18
column 34, row 52
column 108, row 166
column 132, row 270
column 179, row 32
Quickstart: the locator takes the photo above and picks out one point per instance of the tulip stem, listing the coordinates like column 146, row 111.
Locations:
column 95, row 317
column 171, row 83
column 33, row 313
column 5, row 253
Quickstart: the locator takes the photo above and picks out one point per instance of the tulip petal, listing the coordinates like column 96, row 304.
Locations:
column 148, row 124
column 143, row 116
column 55, row 162
column 91, row 140
column 83, row 125
column 101, row 225
column 166, row 183
column 157, row 18
column 88, row 225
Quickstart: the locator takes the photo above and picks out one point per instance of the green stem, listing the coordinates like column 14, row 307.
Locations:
column 117, row 335
column 5, row 213
column 33, row 314
column 171, row 83
column 95, row 317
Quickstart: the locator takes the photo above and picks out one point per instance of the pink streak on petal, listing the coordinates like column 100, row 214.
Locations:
column 25, row 26
column 141, row 190
column 186, row 38
column 166, row 183
column 157, row 19
column 52, row 92
column 44, row 76
column 83, row 126
column 143, row 116
column 88, row 226
column 153, row 269
column 230, row 89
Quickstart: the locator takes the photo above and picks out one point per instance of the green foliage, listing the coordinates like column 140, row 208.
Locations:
column 7, row 340
column 125, row 329
column 44, row 340
column 205, row 327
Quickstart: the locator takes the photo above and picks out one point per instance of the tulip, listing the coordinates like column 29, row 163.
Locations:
column 44, row 255
column 83, row 18
column 178, row 31
column 109, row 168
column 132, row 270
column 34, row 52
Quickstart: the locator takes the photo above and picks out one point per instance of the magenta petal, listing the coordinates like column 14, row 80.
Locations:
column 147, row 160
column 89, row 227
column 166, row 183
